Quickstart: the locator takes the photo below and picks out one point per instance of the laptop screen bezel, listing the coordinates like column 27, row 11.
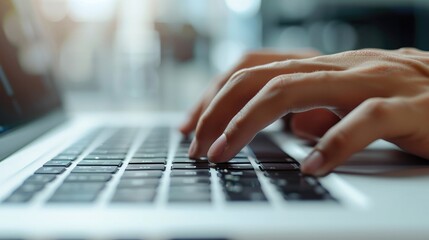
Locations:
column 24, row 134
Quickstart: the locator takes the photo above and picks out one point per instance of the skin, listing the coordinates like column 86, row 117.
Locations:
column 343, row 101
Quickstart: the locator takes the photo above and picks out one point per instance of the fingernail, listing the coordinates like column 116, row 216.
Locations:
column 193, row 148
column 313, row 163
column 217, row 149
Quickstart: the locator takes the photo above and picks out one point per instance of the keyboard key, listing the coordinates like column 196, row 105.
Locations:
column 241, row 173
column 245, row 182
column 138, row 183
column 142, row 174
column 188, row 160
column 263, row 147
column 95, row 169
column 276, row 160
column 75, row 187
column 177, row 181
column 258, row 196
column 57, row 163
column 29, row 188
column 82, row 177
column 105, row 157
column 184, row 173
column 40, row 179
column 279, row 167
column 18, row 197
column 50, row 170
column 75, row 197
column 294, row 196
column 65, row 158
column 100, row 163
column 235, row 166
column 148, row 161
column 189, row 198
column 150, row 155
column 134, row 196
column 190, row 166
column 138, row 167
column 189, row 189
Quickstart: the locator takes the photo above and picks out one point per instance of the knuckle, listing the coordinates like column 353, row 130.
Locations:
column 338, row 140
column 361, row 53
column 202, row 123
column 377, row 108
column 240, row 76
column 407, row 50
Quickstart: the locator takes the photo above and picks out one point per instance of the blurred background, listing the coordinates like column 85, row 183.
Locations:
column 159, row 55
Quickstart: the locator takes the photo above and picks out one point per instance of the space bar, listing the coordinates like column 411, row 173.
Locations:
column 263, row 147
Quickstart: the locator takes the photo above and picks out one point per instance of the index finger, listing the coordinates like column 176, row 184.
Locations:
column 284, row 94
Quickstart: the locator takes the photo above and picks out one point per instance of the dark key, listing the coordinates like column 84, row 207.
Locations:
column 241, row 173
column 29, row 188
column 105, row 157
column 75, row 197
column 57, row 163
column 304, row 195
column 184, row 173
column 150, row 155
column 75, row 187
column 100, row 163
column 236, row 178
column 138, row 167
column 148, row 161
column 279, row 167
column 258, row 196
column 188, row 160
column 190, row 166
column 246, row 182
column 235, row 166
column 177, row 181
column 263, row 147
column 142, row 174
column 50, row 170
column 189, row 198
column 64, row 157
column 82, row 177
column 40, row 179
column 139, row 183
column 18, row 197
column 189, row 189
column 284, row 175
column 134, row 196
column 276, row 160
column 95, row 169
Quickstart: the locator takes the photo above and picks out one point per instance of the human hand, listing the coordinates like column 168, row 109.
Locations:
column 378, row 94
column 251, row 59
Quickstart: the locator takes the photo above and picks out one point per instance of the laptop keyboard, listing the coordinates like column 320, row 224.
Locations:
column 87, row 169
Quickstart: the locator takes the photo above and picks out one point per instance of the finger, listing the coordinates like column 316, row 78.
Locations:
column 287, row 93
column 376, row 118
column 312, row 125
column 242, row 87
column 189, row 125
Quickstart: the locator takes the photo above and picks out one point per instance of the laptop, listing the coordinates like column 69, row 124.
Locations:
column 128, row 176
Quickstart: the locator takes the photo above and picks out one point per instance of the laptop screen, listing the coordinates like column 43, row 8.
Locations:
column 27, row 91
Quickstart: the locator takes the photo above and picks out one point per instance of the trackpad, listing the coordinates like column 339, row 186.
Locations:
column 381, row 158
